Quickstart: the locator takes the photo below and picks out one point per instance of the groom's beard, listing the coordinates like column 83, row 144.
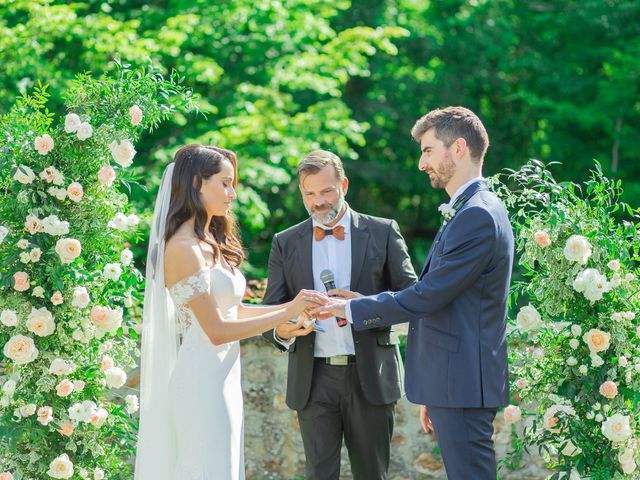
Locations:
column 444, row 173
column 331, row 215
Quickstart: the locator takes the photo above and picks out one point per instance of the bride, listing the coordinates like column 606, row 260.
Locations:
column 191, row 416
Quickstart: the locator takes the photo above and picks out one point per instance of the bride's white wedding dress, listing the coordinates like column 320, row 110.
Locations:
column 205, row 394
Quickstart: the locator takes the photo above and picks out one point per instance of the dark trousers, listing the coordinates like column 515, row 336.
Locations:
column 337, row 408
column 464, row 436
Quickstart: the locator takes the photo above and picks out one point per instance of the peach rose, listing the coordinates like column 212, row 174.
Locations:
column 56, row 298
column 106, row 176
column 608, row 389
column 35, row 254
column 45, row 415
column 135, row 114
column 6, row 476
column 21, row 281
column 106, row 363
column 75, row 192
column 542, row 239
column 33, row 224
column 66, row 429
column 99, row 417
column 68, row 249
column 43, row 144
column 64, row 388
column 512, row 414
column 596, row 340
column 20, row 350
column 99, row 315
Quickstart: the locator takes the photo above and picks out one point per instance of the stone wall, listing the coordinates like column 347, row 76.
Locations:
column 273, row 448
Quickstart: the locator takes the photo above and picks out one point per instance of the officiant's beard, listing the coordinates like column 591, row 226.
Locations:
column 331, row 215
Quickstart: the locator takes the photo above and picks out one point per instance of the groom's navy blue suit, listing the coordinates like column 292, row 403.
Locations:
column 456, row 359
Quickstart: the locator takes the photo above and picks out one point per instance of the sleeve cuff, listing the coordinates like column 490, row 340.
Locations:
column 285, row 343
column 347, row 312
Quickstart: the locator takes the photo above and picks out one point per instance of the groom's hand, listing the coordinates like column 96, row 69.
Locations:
column 334, row 308
column 425, row 421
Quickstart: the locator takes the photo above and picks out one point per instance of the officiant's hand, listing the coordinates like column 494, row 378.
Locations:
column 341, row 293
column 425, row 421
column 305, row 300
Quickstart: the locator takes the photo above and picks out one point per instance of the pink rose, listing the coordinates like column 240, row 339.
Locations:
column 66, row 429
column 6, row 476
column 135, row 114
column 106, row 176
column 521, row 383
column 75, row 192
column 21, row 281
column 56, row 298
column 512, row 414
column 542, row 239
column 99, row 315
column 609, row 389
column 106, row 363
column 64, row 388
column 43, row 144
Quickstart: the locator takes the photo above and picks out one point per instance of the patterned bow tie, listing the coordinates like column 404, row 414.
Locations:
column 319, row 233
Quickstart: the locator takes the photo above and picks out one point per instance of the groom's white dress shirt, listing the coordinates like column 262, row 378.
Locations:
column 335, row 255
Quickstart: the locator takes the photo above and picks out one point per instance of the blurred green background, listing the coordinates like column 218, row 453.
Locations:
column 553, row 80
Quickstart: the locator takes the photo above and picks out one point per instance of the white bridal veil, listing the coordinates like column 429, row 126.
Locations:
column 155, row 454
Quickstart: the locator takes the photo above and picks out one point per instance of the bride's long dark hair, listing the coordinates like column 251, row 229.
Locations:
column 193, row 163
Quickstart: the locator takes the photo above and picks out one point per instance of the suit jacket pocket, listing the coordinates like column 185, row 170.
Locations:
column 387, row 337
column 441, row 339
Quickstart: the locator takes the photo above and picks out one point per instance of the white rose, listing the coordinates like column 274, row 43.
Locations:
column 75, row 192
column 616, row 428
column 133, row 220
column 33, row 224
column 574, row 343
column 622, row 361
column 119, row 222
column 51, row 175
column 80, row 297
column 529, row 319
column 25, row 257
column 84, row 131
column 23, row 243
column 27, row 410
column 572, row 362
column 122, row 152
column 115, row 377
column 9, row 318
column 627, row 461
column 43, row 144
column 99, row 417
column 126, row 256
column 53, row 226
column 550, row 418
column 98, row 474
column 577, row 249
column 59, row 193
column 538, row 353
column 79, row 385
column 592, row 284
column 71, row 123
column 35, row 254
column 583, row 369
column 20, row 350
column 629, row 277
column 596, row 361
column 56, row 298
column 112, row 271
column 599, row 418
column 38, row 292
column 615, row 281
column 61, row 467
column 40, row 322
column 24, row 175
column 614, row 265
column 132, row 403
column 9, row 387
column 61, row 367
column 68, row 249
column 4, row 231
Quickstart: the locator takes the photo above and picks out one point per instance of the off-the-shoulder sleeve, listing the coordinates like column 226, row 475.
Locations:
column 191, row 287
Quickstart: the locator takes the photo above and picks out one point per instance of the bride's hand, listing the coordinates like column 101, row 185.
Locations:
column 305, row 300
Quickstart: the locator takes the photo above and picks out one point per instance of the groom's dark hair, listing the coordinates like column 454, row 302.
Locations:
column 317, row 160
column 452, row 123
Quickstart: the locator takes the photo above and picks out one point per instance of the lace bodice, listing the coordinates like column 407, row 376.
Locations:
column 228, row 290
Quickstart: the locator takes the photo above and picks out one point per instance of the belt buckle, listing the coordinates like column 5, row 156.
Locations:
column 339, row 360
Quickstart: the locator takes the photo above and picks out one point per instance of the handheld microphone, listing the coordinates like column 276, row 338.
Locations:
column 327, row 278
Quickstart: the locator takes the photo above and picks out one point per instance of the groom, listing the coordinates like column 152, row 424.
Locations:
column 456, row 363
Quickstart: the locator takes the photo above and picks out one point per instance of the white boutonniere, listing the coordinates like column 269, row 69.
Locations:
column 447, row 211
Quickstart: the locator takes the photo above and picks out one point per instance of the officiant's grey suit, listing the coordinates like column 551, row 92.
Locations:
column 379, row 262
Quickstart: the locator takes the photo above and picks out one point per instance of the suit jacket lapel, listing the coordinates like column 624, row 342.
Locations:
column 359, row 240
column 303, row 254
column 469, row 192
